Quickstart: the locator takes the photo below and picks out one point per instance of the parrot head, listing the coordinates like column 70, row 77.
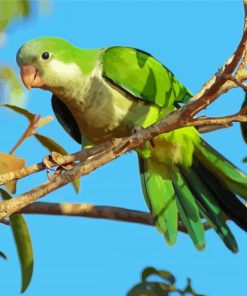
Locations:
column 44, row 62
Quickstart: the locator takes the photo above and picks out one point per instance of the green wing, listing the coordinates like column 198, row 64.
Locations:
column 142, row 76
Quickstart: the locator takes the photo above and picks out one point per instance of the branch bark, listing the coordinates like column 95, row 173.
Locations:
column 93, row 211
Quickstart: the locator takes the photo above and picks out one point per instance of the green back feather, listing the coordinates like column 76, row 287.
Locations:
column 142, row 76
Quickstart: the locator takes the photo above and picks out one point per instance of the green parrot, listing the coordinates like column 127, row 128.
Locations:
column 101, row 94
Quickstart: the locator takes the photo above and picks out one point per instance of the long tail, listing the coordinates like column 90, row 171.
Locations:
column 207, row 190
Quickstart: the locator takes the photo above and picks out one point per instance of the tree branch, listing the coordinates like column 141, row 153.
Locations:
column 204, row 124
column 220, row 83
column 93, row 211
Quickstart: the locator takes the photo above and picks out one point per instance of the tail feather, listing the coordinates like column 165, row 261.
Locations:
column 226, row 199
column 166, row 195
column 229, row 174
column 188, row 209
column 160, row 198
column 209, row 208
column 208, row 189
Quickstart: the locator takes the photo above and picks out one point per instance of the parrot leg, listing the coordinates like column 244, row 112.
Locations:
column 136, row 130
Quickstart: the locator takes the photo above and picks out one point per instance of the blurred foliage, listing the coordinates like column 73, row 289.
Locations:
column 10, row 162
column 11, row 89
column 11, row 10
column 164, row 286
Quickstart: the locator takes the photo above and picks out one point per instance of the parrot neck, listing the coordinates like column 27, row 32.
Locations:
column 87, row 59
column 77, row 77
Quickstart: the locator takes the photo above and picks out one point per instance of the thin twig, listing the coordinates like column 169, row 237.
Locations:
column 28, row 132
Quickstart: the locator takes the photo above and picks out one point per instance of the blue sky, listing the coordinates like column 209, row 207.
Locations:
column 79, row 256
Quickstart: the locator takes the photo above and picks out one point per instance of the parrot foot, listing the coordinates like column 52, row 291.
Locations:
column 136, row 131
column 54, row 159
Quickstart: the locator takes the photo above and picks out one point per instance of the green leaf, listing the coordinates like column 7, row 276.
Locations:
column 19, row 110
column 2, row 255
column 166, row 275
column 52, row 145
column 23, row 244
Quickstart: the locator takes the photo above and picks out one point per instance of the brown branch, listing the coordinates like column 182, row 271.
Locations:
column 5, row 222
column 79, row 156
column 119, row 147
column 210, row 124
column 219, row 121
column 215, row 87
column 211, row 128
column 93, row 211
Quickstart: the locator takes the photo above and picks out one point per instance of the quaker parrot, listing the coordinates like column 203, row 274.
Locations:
column 101, row 94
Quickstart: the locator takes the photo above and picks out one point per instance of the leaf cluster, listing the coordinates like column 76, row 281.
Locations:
column 163, row 286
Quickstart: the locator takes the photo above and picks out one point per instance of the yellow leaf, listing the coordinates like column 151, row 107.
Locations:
column 10, row 163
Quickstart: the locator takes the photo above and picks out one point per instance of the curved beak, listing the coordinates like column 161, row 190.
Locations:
column 31, row 77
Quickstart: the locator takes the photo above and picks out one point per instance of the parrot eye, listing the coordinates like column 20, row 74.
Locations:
column 45, row 55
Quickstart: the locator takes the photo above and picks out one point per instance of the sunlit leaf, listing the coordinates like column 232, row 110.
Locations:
column 10, row 163
column 19, row 110
column 23, row 244
column 52, row 145
column 2, row 255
